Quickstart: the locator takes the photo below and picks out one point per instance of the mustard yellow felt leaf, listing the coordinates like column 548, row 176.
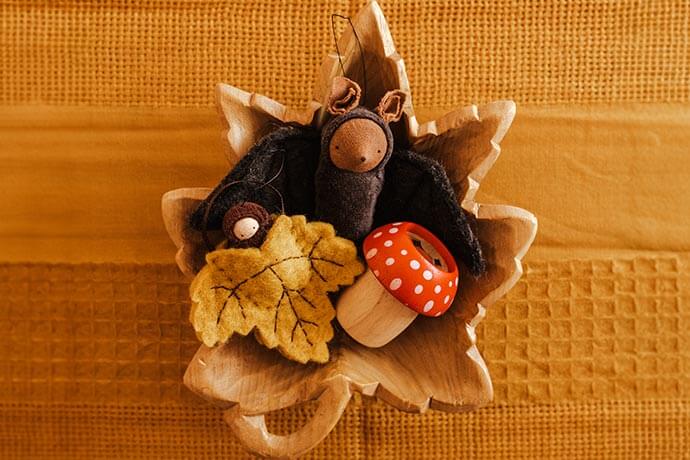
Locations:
column 303, row 320
column 278, row 290
column 330, row 257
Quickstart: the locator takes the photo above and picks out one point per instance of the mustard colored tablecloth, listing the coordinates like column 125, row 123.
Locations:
column 106, row 105
column 173, row 52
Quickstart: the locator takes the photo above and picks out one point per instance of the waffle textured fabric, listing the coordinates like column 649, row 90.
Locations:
column 173, row 52
column 589, row 360
column 588, row 353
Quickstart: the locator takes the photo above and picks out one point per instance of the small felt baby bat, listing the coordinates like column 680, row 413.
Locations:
column 351, row 175
column 246, row 225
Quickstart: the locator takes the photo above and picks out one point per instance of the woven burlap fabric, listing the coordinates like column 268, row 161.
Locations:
column 586, row 430
column 588, row 358
column 173, row 52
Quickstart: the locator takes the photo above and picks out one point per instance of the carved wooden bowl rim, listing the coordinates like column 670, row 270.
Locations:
column 435, row 363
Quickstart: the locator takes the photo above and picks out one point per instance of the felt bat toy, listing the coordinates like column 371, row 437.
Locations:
column 351, row 175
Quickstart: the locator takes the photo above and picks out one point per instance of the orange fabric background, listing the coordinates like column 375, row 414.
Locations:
column 173, row 52
column 107, row 105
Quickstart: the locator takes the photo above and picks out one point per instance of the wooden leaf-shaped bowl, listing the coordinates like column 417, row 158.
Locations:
column 435, row 362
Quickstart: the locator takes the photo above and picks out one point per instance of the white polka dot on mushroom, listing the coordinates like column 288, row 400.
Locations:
column 404, row 252
column 428, row 306
column 438, row 313
column 456, row 280
column 378, row 234
column 437, row 288
column 393, row 230
column 414, row 264
column 376, row 273
column 395, row 284
column 418, row 289
column 388, row 243
column 427, row 275
column 390, row 261
column 372, row 252
column 397, row 223
column 446, row 299
column 450, row 284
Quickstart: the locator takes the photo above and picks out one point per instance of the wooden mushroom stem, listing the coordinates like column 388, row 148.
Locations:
column 370, row 314
column 399, row 284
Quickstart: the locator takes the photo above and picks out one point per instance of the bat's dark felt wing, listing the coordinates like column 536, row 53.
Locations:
column 290, row 154
column 417, row 189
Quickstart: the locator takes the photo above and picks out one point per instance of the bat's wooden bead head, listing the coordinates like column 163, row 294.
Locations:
column 246, row 225
column 361, row 138
column 358, row 145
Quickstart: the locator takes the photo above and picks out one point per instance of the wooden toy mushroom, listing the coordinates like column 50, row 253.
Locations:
column 410, row 272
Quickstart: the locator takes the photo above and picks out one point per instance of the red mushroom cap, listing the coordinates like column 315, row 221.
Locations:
column 407, row 272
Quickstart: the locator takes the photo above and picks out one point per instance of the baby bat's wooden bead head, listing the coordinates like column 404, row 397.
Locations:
column 359, row 139
column 246, row 225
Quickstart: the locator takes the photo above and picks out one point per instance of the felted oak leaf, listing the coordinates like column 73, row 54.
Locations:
column 329, row 256
column 278, row 290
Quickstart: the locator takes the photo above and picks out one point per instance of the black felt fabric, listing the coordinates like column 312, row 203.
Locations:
column 412, row 188
column 344, row 198
column 418, row 190
column 291, row 152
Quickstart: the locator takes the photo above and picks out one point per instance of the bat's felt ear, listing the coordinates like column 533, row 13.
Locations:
column 345, row 96
column 391, row 106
